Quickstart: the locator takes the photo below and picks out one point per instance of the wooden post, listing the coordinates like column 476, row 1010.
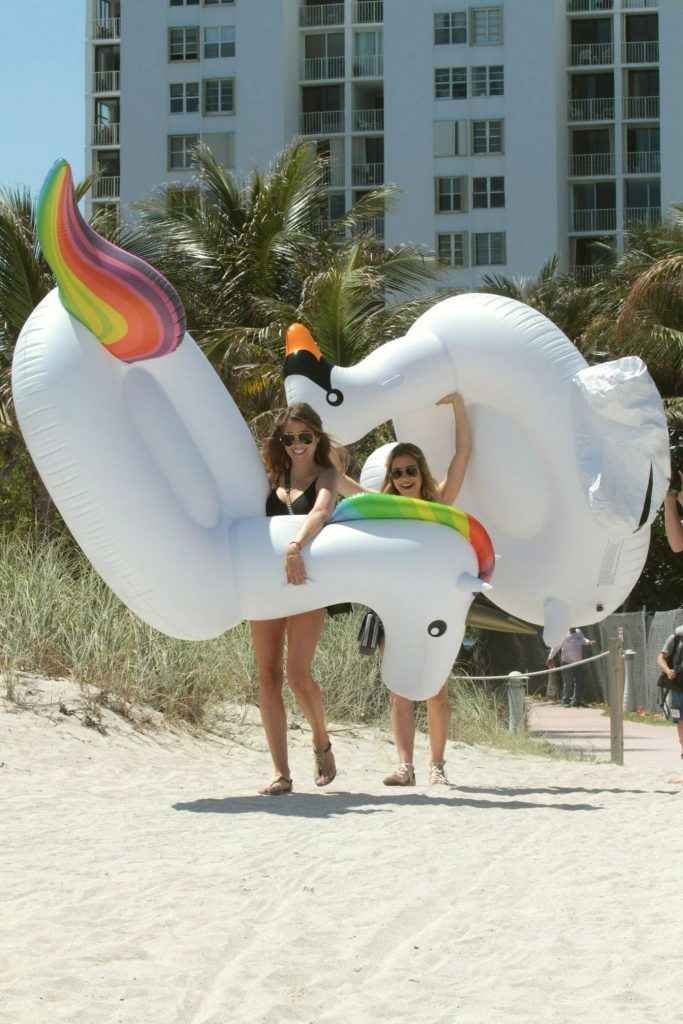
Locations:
column 616, row 700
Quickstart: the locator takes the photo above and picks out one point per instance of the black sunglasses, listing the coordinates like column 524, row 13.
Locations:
column 409, row 471
column 305, row 437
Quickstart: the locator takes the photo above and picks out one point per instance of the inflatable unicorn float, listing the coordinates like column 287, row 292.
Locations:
column 570, row 462
column 158, row 477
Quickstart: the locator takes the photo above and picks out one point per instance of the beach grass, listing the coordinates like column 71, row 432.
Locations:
column 58, row 619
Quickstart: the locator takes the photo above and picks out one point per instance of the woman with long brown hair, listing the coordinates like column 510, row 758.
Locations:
column 303, row 482
column 408, row 474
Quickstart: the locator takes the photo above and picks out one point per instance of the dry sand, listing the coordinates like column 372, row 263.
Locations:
column 143, row 882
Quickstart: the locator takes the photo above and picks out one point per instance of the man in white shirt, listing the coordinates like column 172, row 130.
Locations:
column 571, row 651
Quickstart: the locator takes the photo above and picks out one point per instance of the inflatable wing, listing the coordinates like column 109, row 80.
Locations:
column 158, row 478
column 569, row 465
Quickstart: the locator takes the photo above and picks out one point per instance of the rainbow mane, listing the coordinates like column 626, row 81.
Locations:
column 124, row 302
column 393, row 506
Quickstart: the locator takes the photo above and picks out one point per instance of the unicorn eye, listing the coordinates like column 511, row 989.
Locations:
column 334, row 397
column 437, row 628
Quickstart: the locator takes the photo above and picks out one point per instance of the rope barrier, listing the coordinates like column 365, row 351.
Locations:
column 529, row 675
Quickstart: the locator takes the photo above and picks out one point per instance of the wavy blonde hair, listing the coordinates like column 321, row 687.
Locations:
column 428, row 491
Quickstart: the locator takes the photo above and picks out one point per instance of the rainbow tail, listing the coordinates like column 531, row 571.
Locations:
column 125, row 303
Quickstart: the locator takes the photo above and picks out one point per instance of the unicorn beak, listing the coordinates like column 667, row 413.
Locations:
column 298, row 339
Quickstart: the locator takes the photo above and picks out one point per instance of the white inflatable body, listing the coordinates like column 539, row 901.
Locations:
column 160, row 481
column 569, row 463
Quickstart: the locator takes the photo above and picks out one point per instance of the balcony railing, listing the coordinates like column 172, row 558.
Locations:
column 107, row 81
column 333, row 174
column 105, row 134
column 368, row 12
column 646, row 216
column 600, row 109
column 370, row 226
column 368, row 67
column 579, row 6
column 106, row 28
column 642, row 53
column 314, row 69
column 594, row 220
column 591, row 165
column 322, row 122
column 106, row 188
column 639, row 107
column 368, row 174
column 645, row 162
column 581, row 54
column 588, row 272
column 321, row 14
column 628, row 5
column 368, row 120
column 323, row 225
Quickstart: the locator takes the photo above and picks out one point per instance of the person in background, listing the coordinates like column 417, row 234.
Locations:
column 571, row 652
column 670, row 663
column 672, row 519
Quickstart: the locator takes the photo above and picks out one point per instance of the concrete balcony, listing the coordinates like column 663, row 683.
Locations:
column 105, row 28
column 368, row 121
column 106, row 81
column 646, row 162
column 368, row 12
column 600, row 109
column 368, row 174
column 586, row 54
column 586, row 6
column 371, row 226
column 321, row 14
column 642, row 216
column 642, row 53
column 641, row 108
column 368, row 67
column 105, row 134
column 333, row 174
column 591, row 165
column 630, row 5
column 322, row 122
column 106, row 188
column 594, row 220
column 316, row 69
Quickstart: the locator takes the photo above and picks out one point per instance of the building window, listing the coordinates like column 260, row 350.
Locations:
column 219, row 96
column 446, row 138
column 211, row 3
column 219, row 41
column 450, row 27
column 487, row 137
column 488, row 249
column 488, row 193
column 487, row 26
column 187, row 3
column 450, row 195
column 452, row 249
column 450, row 83
column 182, row 200
column 181, row 151
column 183, row 44
column 184, row 97
column 488, row 81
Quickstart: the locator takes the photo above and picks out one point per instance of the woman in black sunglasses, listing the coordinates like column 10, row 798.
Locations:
column 303, row 482
column 408, row 474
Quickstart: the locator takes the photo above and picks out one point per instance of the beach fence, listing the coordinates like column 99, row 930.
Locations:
column 644, row 634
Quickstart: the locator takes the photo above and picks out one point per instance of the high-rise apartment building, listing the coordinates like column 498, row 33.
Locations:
column 515, row 130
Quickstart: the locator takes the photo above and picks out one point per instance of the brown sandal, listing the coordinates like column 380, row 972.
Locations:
column 403, row 776
column 278, row 787
column 325, row 766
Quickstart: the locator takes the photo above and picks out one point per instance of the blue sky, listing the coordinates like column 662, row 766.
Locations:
column 41, row 90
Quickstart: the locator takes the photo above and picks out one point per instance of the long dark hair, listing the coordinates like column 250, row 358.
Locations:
column 275, row 456
column 429, row 485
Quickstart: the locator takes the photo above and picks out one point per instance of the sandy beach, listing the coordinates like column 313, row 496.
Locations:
column 145, row 883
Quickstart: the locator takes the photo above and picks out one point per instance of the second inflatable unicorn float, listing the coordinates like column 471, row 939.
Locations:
column 570, row 462
column 159, row 479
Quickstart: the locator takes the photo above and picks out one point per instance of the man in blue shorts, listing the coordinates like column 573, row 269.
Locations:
column 670, row 661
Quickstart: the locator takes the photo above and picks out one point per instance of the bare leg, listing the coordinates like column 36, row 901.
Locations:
column 679, row 727
column 403, row 727
column 268, row 638
column 438, row 718
column 303, row 633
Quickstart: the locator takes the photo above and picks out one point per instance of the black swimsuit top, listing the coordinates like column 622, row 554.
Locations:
column 301, row 506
